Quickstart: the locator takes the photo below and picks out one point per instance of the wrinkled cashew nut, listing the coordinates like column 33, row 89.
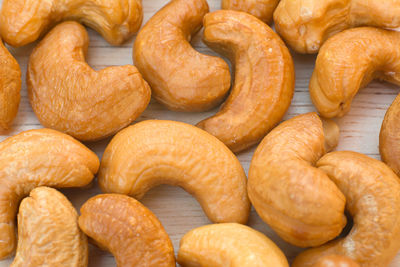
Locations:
column 335, row 261
column 262, row 9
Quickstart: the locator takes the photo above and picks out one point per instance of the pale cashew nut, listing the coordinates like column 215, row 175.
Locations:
column 229, row 244
column 69, row 96
column 48, row 232
column 335, row 261
column 180, row 77
column 262, row 9
column 38, row 158
column 293, row 197
column 130, row 231
column 156, row 152
column 372, row 191
column 24, row 21
column 264, row 78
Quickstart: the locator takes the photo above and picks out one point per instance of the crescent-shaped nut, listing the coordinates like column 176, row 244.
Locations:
column 350, row 60
column 335, row 261
column 24, row 21
column 38, row 158
column 180, row 77
column 130, row 231
column 264, row 78
column 306, row 24
column 157, row 152
column 372, row 191
column 48, row 232
column 296, row 199
column 262, row 9
column 66, row 94
column 229, row 244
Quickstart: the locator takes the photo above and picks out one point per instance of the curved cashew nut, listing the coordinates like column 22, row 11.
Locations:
column 264, row 78
column 229, row 244
column 38, row 158
column 180, row 77
column 48, row 231
column 335, row 261
column 155, row 152
column 306, row 24
column 69, row 96
column 130, row 231
column 24, row 21
column 372, row 193
column 262, row 9
column 296, row 199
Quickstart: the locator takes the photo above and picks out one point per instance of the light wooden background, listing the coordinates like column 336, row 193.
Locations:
column 176, row 209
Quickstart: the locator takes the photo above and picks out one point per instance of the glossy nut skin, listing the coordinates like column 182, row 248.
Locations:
column 372, row 191
column 335, row 261
column 306, row 24
column 130, row 231
column 66, row 94
column 24, row 21
column 155, row 152
column 264, row 78
column 229, row 244
column 262, row 9
column 180, row 77
column 38, row 158
column 293, row 197
column 48, row 232
column 10, row 87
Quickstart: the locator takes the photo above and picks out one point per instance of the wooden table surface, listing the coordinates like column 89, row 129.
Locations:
column 178, row 211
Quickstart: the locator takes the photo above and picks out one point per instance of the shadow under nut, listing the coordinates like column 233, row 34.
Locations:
column 294, row 198
column 66, row 94
column 264, row 78
column 156, row 152
column 180, row 77
column 372, row 191
column 262, row 9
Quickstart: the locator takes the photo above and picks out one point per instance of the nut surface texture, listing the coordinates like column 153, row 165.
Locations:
column 130, row 231
column 180, row 77
column 48, row 232
column 155, row 152
column 264, row 78
column 335, row 261
column 66, row 94
column 262, row 9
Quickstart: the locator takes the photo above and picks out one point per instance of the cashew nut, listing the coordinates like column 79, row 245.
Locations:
column 38, row 158
column 229, row 244
column 180, row 77
column 264, row 78
column 306, row 24
column 297, row 200
column 372, row 191
column 262, row 9
column 130, row 231
column 335, row 261
column 24, row 21
column 48, row 232
column 69, row 96
column 155, row 152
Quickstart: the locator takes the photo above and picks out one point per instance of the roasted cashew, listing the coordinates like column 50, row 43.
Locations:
column 38, row 158
column 372, row 191
column 69, row 96
column 180, row 77
column 296, row 199
column 335, row 261
column 24, row 21
column 155, row 152
column 229, row 244
column 48, row 232
column 130, row 231
column 264, row 78
column 262, row 9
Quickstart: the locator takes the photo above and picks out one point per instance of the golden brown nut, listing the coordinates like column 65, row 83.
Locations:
column 296, row 199
column 350, row 60
column 10, row 86
column 69, row 96
column 335, row 261
column 157, row 152
column 229, row 244
column 262, row 9
column 24, row 21
column 264, row 78
column 38, row 158
column 48, row 232
column 306, row 24
column 372, row 191
column 180, row 77
column 130, row 231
